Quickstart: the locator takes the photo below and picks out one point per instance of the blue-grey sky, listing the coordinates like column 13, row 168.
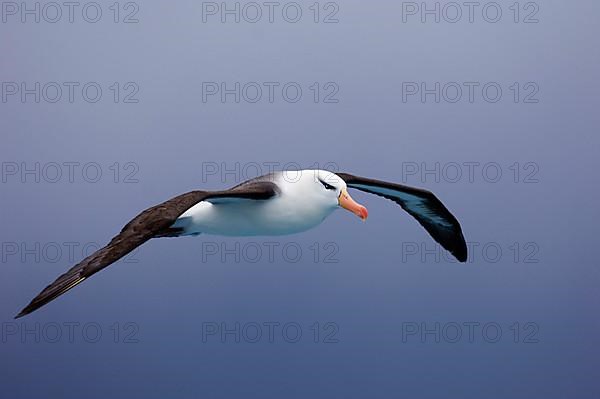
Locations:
column 493, row 108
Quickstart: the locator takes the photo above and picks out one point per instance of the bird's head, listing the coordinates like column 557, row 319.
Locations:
column 329, row 190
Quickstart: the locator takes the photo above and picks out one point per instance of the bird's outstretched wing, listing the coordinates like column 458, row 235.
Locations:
column 153, row 222
column 420, row 204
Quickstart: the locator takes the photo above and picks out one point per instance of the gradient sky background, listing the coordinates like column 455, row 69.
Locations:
column 376, row 289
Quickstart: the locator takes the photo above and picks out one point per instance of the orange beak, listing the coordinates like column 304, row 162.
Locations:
column 346, row 202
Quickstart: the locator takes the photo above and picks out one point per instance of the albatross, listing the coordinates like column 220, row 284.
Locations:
column 278, row 203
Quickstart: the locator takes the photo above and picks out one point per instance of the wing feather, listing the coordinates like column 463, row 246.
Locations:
column 153, row 222
column 423, row 205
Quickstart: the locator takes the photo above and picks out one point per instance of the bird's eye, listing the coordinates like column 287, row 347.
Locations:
column 327, row 186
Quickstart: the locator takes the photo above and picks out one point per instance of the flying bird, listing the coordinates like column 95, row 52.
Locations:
column 278, row 203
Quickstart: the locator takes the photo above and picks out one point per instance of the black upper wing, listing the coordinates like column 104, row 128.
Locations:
column 153, row 222
column 423, row 206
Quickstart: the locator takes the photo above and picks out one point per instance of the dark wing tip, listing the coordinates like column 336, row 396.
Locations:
column 449, row 235
column 27, row 309
column 34, row 305
column 460, row 251
column 22, row 313
column 452, row 240
column 61, row 285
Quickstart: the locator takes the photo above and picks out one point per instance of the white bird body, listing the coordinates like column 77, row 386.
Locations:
column 297, row 207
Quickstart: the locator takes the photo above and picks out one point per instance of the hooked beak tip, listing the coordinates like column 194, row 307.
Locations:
column 362, row 213
column 346, row 202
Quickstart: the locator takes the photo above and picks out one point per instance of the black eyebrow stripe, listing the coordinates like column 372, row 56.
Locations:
column 327, row 185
